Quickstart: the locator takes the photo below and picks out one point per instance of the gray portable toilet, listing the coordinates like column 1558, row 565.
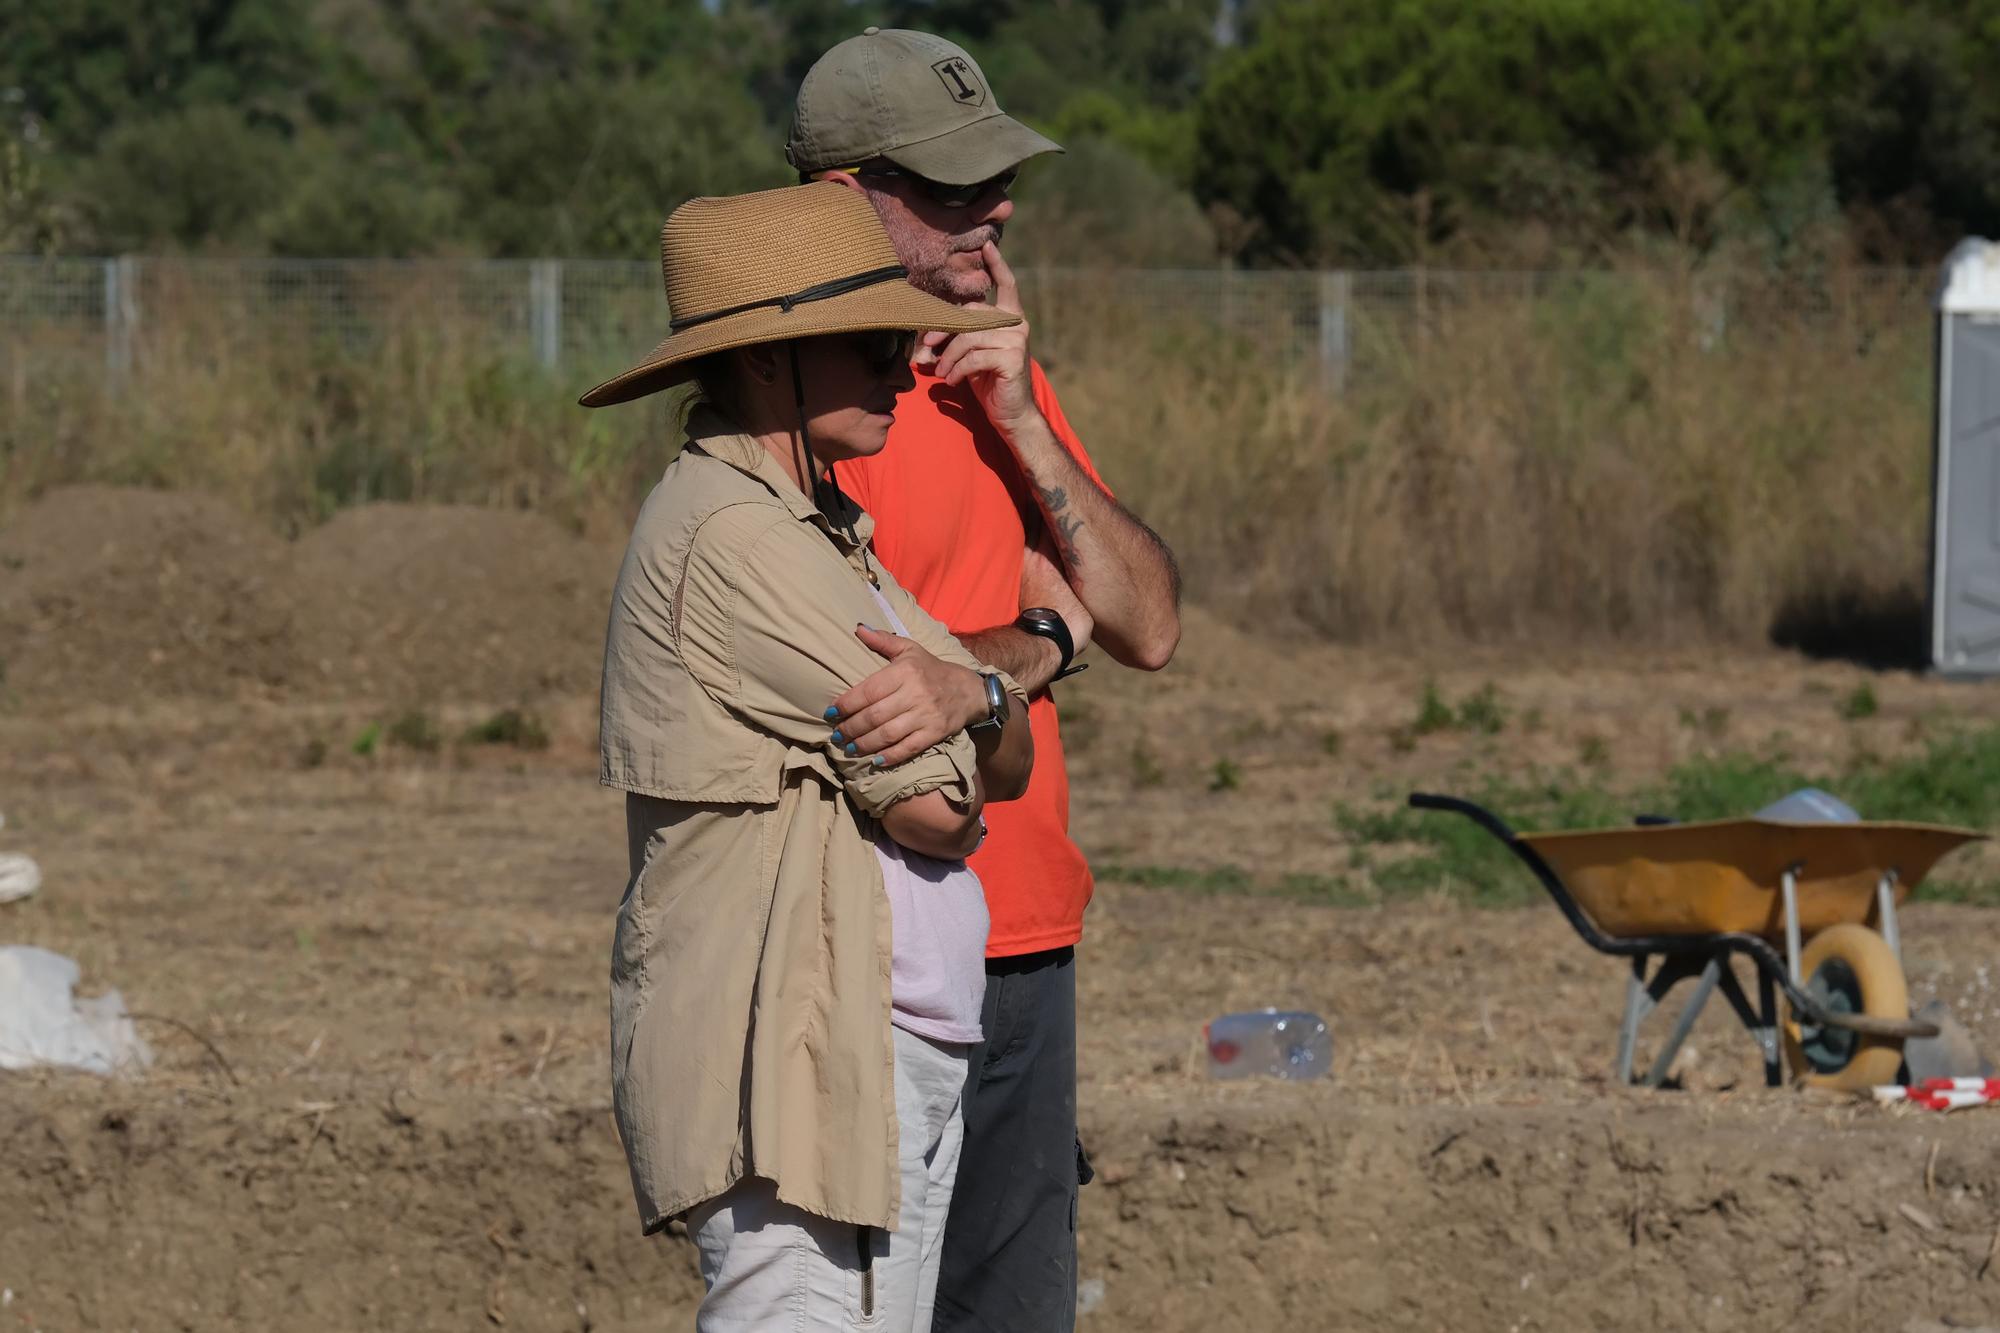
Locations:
column 1965, row 499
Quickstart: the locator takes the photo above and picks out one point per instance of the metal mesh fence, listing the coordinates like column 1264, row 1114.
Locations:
column 592, row 316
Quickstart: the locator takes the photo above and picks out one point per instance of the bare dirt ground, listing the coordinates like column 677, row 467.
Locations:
column 396, row 1114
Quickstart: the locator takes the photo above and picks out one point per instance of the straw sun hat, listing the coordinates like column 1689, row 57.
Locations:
column 797, row 262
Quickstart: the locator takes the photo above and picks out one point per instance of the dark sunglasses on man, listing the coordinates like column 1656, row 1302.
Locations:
column 945, row 196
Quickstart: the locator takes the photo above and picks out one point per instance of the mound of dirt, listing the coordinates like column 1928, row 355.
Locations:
column 113, row 595
column 422, row 603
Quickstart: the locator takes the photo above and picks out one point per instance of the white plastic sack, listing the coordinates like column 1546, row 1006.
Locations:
column 19, row 877
column 42, row 1022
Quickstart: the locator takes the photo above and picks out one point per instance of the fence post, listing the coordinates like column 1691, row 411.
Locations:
column 545, row 310
column 1334, row 348
column 121, row 315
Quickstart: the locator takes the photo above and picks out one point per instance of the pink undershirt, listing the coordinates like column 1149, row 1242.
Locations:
column 938, row 910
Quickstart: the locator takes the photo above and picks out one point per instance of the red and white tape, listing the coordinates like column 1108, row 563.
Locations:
column 1943, row 1094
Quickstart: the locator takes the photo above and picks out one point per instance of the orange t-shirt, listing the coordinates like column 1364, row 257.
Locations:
column 952, row 516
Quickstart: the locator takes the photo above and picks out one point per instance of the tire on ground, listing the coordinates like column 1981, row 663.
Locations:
column 1859, row 964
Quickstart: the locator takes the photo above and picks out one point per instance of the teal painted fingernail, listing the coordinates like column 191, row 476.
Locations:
column 831, row 713
column 850, row 747
column 839, row 739
column 880, row 762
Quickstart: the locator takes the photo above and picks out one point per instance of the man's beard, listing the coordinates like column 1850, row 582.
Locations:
column 934, row 274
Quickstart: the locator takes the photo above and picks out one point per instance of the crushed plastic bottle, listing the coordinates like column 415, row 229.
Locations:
column 1274, row 1043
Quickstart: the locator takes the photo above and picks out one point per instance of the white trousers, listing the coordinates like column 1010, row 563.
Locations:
column 773, row 1268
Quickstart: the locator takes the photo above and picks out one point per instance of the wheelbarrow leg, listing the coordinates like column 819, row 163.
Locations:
column 1762, row 1021
column 1685, row 1023
column 1885, row 912
column 1767, row 1034
column 1788, row 884
column 1637, row 1005
column 1642, row 997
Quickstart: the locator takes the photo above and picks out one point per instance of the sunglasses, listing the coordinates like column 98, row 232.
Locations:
column 945, row 196
column 885, row 351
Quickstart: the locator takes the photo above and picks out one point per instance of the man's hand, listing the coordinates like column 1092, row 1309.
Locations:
column 909, row 705
column 1115, row 564
column 993, row 361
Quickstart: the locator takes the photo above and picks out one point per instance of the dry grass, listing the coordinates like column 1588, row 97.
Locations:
column 1606, row 460
column 291, row 426
column 1596, row 465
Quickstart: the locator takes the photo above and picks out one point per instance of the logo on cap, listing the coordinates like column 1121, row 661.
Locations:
column 961, row 80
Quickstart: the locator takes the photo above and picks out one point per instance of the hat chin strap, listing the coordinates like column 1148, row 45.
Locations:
column 809, row 471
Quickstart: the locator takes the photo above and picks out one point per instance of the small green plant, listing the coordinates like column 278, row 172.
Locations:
column 1712, row 722
column 1481, row 712
column 1146, row 770
column 1225, row 776
column 1248, row 730
column 1433, row 713
column 1478, row 712
column 416, row 730
column 1592, row 752
column 1860, row 704
column 523, row 731
column 1330, row 743
column 370, row 737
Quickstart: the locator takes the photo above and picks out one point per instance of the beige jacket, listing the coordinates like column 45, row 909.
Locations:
column 750, row 968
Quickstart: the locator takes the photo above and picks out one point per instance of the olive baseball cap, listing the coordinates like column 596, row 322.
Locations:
column 913, row 98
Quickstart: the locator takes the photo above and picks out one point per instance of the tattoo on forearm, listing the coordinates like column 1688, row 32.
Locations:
column 1055, row 500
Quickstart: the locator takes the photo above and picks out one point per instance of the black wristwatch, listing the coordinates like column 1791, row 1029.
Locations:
column 996, row 704
column 1046, row 624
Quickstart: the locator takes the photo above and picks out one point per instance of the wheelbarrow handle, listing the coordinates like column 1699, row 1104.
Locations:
column 1529, row 857
column 1472, row 810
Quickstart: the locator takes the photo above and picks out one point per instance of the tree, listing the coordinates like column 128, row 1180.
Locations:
column 1916, row 130
column 1370, row 130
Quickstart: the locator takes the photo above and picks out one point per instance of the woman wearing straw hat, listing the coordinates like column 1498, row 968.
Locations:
column 799, row 958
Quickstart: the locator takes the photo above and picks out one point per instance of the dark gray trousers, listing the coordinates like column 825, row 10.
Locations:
column 1010, row 1243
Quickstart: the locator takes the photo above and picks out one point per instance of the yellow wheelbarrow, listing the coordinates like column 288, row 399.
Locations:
column 1696, row 894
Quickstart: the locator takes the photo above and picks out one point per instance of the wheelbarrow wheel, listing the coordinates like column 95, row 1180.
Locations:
column 1848, row 969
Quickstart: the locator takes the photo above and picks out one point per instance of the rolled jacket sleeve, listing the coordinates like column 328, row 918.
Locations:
column 767, row 611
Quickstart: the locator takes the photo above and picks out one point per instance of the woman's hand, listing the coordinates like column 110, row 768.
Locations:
column 909, row 705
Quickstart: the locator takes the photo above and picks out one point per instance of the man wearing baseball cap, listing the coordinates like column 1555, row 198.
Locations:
column 988, row 510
